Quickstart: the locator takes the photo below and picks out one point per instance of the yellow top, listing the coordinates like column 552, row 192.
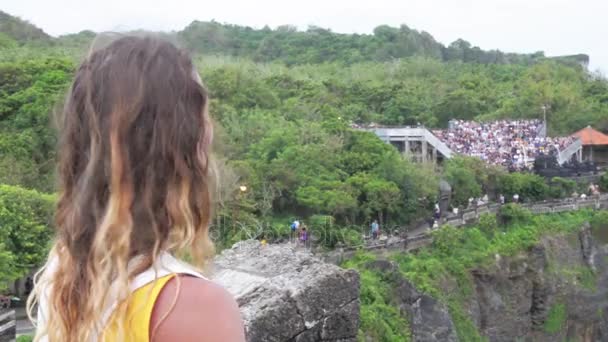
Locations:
column 139, row 313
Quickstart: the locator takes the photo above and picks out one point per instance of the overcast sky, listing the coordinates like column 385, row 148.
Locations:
column 557, row 27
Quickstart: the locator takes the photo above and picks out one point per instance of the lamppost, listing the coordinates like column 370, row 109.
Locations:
column 544, row 108
column 242, row 190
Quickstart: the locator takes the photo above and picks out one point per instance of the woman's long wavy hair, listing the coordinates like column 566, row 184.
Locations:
column 133, row 170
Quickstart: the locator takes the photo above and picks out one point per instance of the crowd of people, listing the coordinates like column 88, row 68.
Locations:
column 511, row 143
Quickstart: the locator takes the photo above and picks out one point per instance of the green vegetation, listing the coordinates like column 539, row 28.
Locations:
column 380, row 319
column 20, row 30
column 25, row 338
column 455, row 251
column 283, row 102
column 529, row 187
column 587, row 278
column 319, row 45
column 556, row 318
column 25, row 218
column 29, row 90
column 442, row 269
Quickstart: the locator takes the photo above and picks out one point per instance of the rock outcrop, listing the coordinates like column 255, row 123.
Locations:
column 288, row 295
column 555, row 291
column 429, row 320
column 519, row 297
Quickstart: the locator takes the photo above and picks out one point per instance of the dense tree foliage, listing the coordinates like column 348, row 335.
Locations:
column 20, row 30
column 318, row 45
column 29, row 90
column 284, row 101
column 25, row 220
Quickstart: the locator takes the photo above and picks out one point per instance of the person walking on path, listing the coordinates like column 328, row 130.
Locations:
column 304, row 237
column 375, row 229
column 295, row 228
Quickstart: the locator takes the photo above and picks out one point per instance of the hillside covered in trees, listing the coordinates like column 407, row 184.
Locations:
column 283, row 102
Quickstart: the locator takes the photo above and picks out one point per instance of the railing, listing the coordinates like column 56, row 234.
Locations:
column 437, row 144
column 463, row 218
column 8, row 325
column 406, row 133
column 570, row 150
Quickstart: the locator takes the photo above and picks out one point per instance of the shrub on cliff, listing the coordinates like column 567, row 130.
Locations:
column 25, row 221
column 599, row 220
column 603, row 183
column 380, row 321
column 562, row 187
column 513, row 213
column 528, row 186
column 443, row 270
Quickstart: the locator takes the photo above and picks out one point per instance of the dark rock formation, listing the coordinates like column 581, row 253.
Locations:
column 513, row 298
column 429, row 320
column 556, row 291
column 288, row 295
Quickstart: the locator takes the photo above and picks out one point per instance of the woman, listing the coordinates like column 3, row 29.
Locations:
column 134, row 191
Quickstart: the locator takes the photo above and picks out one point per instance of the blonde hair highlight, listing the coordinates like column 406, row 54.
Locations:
column 134, row 172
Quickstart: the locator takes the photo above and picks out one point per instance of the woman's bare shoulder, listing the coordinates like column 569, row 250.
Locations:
column 203, row 312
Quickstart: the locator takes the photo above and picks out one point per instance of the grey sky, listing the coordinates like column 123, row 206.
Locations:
column 557, row 27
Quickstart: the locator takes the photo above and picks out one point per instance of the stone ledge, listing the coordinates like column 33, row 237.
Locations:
column 288, row 295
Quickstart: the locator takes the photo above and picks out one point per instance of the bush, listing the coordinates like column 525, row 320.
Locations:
column 528, row 186
column 513, row 213
column 463, row 180
column 352, row 237
column 603, row 183
column 488, row 224
column 323, row 230
column 321, row 221
column 446, row 238
column 561, row 187
column 25, row 229
column 380, row 321
column 599, row 221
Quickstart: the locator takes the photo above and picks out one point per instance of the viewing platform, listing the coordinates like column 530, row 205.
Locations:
column 418, row 142
column 503, row 143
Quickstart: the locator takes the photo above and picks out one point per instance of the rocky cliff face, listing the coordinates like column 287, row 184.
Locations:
column 429, row 320
column 557, row 291
column 288, row 295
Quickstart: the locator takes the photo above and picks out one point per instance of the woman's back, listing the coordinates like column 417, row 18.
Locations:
column 134, row 189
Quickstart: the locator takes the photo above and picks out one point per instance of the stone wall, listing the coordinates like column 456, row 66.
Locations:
column 288, row 295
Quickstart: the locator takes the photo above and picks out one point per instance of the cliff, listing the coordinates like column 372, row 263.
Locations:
column 555, row 291
column 288, row 295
